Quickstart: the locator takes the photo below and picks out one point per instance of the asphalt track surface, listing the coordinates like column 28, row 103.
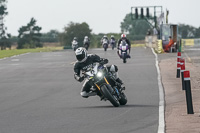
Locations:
column 38, row 94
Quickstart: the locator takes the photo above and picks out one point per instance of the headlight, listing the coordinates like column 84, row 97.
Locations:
column 99, row 74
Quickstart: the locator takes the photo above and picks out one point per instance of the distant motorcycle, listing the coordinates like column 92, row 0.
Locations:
column 105, row 44
column 112, row 43
column 123, row 50
column 103, row 82
column 74, row 45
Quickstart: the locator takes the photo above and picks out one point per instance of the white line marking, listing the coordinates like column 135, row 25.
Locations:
column 189, row 59
column 15, row 60
column 161, row 125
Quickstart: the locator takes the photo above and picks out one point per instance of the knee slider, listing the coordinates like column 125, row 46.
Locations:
column 84, row 94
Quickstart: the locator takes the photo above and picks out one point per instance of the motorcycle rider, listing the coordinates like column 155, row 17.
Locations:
column 86, row 40
column 104, row 37
column 112, row 40
column 75, row 39
column 123, row 37
column 75, row 43
column 84, row 61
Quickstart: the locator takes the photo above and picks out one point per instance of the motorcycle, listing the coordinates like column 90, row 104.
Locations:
column 123, row 50
column 86, row 44
column 74, row 45
column 105, row 44
column 112, row 43
column 104, row 83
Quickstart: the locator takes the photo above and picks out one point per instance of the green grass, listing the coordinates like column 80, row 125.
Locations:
column 137, row 45
column 9, row 53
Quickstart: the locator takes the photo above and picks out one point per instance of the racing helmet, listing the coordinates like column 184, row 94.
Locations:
column 112, row 36
column 123, row 36
column 86, row 37
column 75, row 38
column 105, row 36
column 81, row 54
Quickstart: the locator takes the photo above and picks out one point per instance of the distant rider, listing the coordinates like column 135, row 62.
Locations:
column 112, row 41
column 104, row 38
column 86, row 41
column 74, row 40
column 74, row 43
column 84, row 61
column 123, row 37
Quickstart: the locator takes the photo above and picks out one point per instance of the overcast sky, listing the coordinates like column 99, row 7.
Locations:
column 103, row 16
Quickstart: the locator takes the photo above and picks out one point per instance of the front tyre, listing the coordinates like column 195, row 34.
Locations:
column 123, row 99
column 124, row 58
column 110, row 97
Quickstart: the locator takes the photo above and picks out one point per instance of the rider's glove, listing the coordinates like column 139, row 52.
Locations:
column 105, row 61
column 78, row 78
column 81, row 79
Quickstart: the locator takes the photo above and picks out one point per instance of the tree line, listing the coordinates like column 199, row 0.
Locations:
column 30, row 35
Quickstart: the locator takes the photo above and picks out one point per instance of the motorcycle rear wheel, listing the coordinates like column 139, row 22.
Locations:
column 109, row 96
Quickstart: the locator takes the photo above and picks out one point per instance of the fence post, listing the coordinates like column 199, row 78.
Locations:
column 182, row 72
column 178, row 65
column 180, row 46
column 188, row 92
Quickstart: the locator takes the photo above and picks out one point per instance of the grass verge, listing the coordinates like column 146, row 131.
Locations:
column 9, row 53
column 137, row 45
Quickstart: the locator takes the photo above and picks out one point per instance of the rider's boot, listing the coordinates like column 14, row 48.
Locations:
column 121, row 84
column 87, row 94
column 119, row 54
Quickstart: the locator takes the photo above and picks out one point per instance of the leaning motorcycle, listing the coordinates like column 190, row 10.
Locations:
column 123, row 50
column 105, row 44
column 74, row 45
column 104, row 84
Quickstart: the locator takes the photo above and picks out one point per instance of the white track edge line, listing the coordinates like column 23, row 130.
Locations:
column 161, row 124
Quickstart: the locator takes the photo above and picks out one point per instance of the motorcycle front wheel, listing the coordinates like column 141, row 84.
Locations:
column 123, row 99
column 124, row 58
column 109, row 96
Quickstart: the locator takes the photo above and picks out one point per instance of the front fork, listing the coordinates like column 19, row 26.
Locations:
column 115, row 88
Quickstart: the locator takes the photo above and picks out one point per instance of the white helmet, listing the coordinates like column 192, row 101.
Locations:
column 105, row 36
column 86, row 36
column 123, row 36
column 81, row 54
